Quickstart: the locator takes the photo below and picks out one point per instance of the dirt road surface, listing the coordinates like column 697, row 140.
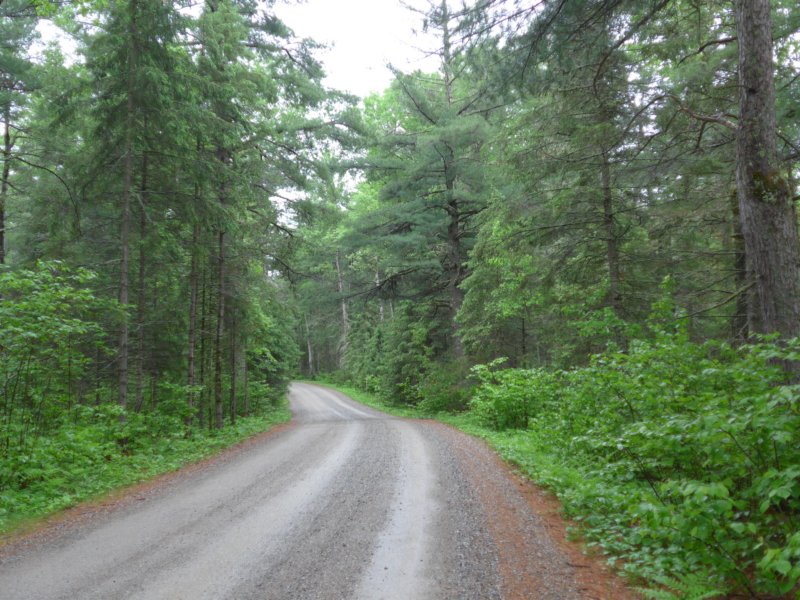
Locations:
column 345, row 503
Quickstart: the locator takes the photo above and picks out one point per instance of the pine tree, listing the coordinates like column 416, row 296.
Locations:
column 17, row 23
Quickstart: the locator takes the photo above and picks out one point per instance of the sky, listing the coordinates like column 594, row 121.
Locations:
column 364, row 36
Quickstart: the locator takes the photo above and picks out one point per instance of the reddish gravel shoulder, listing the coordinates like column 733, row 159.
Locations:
column 536, row 559
column 41, row 531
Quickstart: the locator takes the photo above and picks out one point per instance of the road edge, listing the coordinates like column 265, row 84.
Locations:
column 54, row 525
column 593, row 571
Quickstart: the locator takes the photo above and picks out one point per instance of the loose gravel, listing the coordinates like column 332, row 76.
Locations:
column 346, row 503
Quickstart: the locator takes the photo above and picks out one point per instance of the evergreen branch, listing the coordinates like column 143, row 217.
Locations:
column 722, row 41
column 718, row 119
column 638, row 25
column 722, row 303
column 413, row 99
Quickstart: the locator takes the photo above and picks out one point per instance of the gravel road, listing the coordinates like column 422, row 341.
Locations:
column 346, row 503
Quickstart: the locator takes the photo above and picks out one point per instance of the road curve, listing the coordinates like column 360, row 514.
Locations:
column 346, row 503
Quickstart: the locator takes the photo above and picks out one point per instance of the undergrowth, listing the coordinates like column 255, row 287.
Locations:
column 679, row 460
column 94, row 451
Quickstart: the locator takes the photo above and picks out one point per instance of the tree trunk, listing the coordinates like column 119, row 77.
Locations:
column 345, row 320
column 767, row 214
column 193, row 285
column 140, row 312
column 223, row 156
column 125, row 225
column 456, row 268
column 377, row 287
column 454, row 250
column 246, row 386
column 7, row 147
column 201, row 409
column 309, row 348
column 612, row 244
column 220, row 329
column 739, row 331
column 232, row 403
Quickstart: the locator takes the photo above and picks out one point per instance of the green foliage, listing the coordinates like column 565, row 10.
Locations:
column 94, row 451
column 61, row 442
column 444, row 388
column 686, row 587
column 48, row 332
column 685, row 456
column 507, row 399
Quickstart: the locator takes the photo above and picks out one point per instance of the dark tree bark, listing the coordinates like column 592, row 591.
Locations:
column 201, row 411
column 612, row 243
column 224, row 158
column 456, row 256
column 218, row 419
column 193, row 289
column 246, row 376
column 7, row 147
column 739, row 330
column 232, row 403
column 140, row 308
column 767, row 214
column 457, row 272
column 125, row 218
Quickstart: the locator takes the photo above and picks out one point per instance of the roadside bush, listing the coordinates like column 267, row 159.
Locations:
column 443, row 388
column 687, row 456
column 507, row 399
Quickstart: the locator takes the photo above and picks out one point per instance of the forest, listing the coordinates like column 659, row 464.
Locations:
column 576, row 238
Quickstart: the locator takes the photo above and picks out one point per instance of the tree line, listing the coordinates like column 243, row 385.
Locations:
column 581, row 228
column 578, row 239
column 141, row 229
column 531, row 198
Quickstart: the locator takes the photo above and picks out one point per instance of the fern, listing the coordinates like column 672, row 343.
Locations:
column 682, row 587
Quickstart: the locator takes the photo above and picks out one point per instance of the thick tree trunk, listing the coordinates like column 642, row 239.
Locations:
column 612, row 243
column 193, row 285
column 767, row 214
column 7, row 147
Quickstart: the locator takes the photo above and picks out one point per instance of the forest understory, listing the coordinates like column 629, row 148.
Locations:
column 575, row 236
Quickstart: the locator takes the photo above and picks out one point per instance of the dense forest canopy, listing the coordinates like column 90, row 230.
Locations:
column 189, row 218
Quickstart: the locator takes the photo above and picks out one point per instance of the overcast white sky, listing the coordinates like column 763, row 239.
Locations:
column 362, row 35
column 365, row 35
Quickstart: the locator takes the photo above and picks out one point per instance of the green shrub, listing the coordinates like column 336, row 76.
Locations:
column 687, row 455
column 443, row 388
column 508, row 399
